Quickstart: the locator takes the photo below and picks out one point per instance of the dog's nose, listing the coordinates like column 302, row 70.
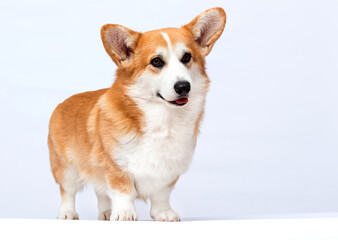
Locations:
column 182, row 88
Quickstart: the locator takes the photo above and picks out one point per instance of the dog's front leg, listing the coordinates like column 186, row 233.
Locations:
column 160, row 206
column 123, row 206
column 122, row 193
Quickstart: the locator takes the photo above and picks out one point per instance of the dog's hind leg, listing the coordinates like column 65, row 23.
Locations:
column 68, row 179
column 68, row 189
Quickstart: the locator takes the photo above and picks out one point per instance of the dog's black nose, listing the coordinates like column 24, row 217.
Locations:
column 182, row 88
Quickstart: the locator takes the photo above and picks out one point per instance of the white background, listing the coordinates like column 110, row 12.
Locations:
column 257, row 229
column 269, row 141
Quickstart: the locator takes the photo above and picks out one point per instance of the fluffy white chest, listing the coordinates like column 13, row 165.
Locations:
column 160, row 155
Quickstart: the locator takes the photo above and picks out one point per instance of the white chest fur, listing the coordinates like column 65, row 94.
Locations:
column 163, row 152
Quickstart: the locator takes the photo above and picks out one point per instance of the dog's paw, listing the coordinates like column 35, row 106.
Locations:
column 105, row 215
column 127, row 215
column 166, row 216
column 68, row 215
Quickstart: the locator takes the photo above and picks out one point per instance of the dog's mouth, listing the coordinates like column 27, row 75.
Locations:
column 178, row 102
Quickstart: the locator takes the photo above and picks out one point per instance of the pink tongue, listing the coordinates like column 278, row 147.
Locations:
column 181, row 100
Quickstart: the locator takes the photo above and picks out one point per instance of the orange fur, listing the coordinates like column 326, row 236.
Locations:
column 81, row 135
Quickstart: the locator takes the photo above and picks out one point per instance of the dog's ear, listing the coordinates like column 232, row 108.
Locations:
column 207, row 27
column 119, row 42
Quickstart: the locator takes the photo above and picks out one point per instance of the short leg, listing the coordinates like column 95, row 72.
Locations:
column 160, row 207
column 104, row 205
column 67, row 208
column 68, row 189
column 122, row 192
column 123, row 206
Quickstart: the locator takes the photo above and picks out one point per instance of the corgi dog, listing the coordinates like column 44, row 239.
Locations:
column 134, row 139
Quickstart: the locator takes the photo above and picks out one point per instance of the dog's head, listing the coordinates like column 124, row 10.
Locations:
column 165, row 66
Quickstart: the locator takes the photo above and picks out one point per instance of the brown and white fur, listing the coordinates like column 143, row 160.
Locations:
column 131, row 140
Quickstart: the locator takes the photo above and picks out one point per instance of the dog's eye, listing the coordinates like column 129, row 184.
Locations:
column 157, row 62
column 186, row 58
